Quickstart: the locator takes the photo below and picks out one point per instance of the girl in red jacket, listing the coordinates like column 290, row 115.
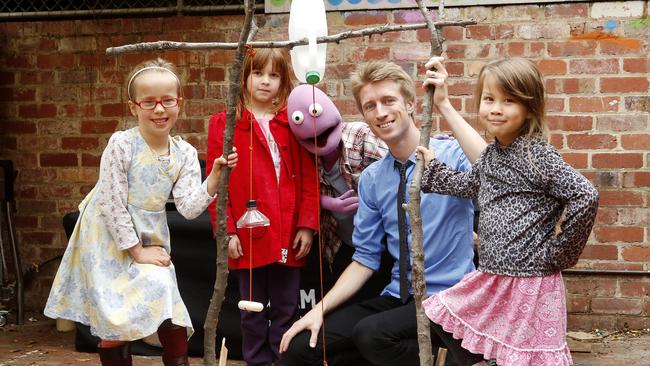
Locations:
column 281, row 176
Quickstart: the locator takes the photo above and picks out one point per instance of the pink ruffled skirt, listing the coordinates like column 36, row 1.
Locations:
column 518, row 321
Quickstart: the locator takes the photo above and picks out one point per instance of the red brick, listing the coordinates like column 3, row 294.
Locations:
column 614, row 160
column 480, row 32
column 516, row 49
column 622, row 46
column 79, row 143
column 570, row 123
column 215, row 74
column 565, row 86
column 37, row 111
column 8, row 142
column 376, row 53
column 554, row 105
column 98, row 126
column 602, row 252
column 577, row 304
column 31, row 207
column 616, row 306
column 504, row 31
column 590, row 286
column 453, row 33
column 552, row 67
column 620, row 198
column 365, row 18
column 622, row 122
column 58, row 159
column 593, row 104
column 462, row 87
column 636, row 254
column 624, row 85
column 618, row 266
column 11, row 127
column 593, row 67
column 455, row 50
column 634, row 288
column 55, row 61
column 634, row 216
column 557, row 140
column 636, row 65
column 636, row 179
column 455, row 68
column 635, row 141
column 114, row 110
column 608, row 234
column 571, row 10
column 571, row 48
column 90, row 159
column 536, row 49
column 30, row 222
column 77, row 110
column 576, row 160
column 591, row 141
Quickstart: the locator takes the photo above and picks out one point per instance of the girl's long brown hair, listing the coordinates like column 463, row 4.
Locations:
column 279, row 59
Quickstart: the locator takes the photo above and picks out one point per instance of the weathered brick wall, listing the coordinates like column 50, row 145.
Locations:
column 61, row 98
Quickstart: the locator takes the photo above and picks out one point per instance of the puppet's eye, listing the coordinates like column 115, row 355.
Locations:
column 297, row 117
column 315, row 109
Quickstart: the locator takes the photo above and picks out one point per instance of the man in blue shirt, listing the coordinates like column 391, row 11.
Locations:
column 383, row 330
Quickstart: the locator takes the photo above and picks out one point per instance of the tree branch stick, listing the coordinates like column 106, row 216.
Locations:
column 336, row 38
column 221, row 281
column 413, row 207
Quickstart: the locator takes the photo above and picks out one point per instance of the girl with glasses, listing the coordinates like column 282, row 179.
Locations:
column 116, row 275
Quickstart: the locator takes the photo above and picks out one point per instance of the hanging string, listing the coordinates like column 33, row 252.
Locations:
column 320, row 243
column 251, row 53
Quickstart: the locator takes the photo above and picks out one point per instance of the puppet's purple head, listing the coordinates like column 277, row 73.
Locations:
column 312, row 113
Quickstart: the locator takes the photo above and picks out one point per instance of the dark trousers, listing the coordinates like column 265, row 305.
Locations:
column 278, row 286
column 378, row 331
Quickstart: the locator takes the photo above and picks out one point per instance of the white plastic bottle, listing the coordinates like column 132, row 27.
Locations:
column 307, row 20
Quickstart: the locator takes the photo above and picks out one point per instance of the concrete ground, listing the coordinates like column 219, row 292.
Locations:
column 38, row 343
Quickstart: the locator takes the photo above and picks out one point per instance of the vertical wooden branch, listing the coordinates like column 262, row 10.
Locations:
column 221, row 281
column 413, row 208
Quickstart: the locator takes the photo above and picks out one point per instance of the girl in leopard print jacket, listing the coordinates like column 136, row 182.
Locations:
column 536, row 216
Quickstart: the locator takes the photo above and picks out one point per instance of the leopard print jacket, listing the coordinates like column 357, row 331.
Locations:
column 523, row 190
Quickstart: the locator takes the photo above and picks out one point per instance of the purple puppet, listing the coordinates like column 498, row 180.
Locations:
column 344, row 150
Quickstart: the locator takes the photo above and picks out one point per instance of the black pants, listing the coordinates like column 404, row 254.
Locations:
column 378, row 331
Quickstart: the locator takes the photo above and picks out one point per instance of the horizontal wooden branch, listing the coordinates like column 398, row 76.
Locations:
column 172, row 45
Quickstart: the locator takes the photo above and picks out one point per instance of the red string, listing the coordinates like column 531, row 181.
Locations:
column 251, row 53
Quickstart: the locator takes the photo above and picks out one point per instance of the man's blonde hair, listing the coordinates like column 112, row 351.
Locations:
column 376, row 71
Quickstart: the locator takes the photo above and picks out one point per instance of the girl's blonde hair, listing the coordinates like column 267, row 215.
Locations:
column 376, row 71
column 155, row 65
column 279, row 59
column 521, row 80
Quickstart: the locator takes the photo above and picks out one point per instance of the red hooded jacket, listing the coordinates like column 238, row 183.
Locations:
column 290, row 204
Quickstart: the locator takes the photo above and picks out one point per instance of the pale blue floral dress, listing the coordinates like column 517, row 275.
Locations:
column 98, row 283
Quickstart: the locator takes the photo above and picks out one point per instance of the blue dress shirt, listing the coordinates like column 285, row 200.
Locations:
column 447, row 222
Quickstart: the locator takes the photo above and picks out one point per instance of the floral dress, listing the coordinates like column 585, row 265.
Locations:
column 98, row 283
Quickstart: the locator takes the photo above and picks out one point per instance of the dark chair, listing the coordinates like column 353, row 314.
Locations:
column 9, row 291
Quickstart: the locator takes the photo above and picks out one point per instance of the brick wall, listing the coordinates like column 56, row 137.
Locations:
column 61, row 98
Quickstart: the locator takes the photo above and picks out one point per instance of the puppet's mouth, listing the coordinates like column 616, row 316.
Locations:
column 321, row 140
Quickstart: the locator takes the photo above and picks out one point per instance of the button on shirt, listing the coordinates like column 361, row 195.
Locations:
column 447, row 222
